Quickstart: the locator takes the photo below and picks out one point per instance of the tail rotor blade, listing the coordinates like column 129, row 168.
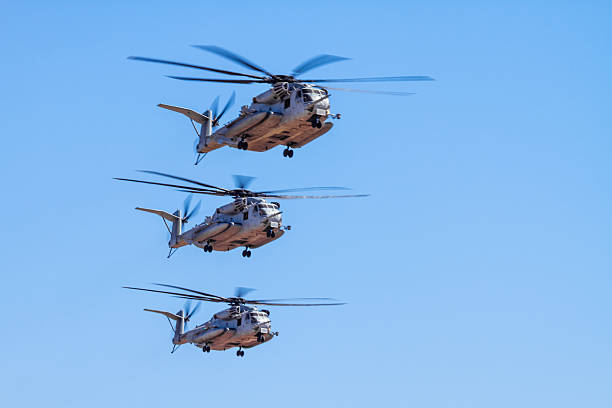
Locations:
column 229, row 103
column 186, row 205
column 194, row 211
column 214, row 107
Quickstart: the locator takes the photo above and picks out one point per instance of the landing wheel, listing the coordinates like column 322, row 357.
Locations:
column 290, row 153
column 244, row 253
column 208, row 248
column 260, row 339
column 285, row 152
column 319, row 124
column 240, row 353
column 248, row 254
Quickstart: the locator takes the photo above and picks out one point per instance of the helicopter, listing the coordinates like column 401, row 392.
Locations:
column 250, row 221
column 292, row 113
column 239, row 325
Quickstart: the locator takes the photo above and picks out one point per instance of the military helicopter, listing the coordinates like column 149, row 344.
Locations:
column 237, row 326
column 292, row 113
column 249, row 221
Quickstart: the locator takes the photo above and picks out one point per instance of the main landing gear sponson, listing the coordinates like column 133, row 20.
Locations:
column 288, row 152
column 246, row 253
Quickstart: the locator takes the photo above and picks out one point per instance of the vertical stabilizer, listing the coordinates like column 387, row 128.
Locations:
column 177, row 227
column 205, row 130
column 179, row 329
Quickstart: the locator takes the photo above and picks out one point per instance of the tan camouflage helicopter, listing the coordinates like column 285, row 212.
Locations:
column 292, row 113
column 238, row 326
column 249, row 221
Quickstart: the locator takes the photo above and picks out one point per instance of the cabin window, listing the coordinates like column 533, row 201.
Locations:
column 299, row 93
column 245, row 215
column 287, row 103
column 239, row 321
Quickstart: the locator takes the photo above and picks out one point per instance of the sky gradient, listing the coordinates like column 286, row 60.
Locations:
column 477, row 274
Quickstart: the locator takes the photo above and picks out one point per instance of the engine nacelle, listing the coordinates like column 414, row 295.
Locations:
column 237, row 206
column 279, row 91
column 228, row 314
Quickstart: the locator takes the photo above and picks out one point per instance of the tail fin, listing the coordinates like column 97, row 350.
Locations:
column 177, row 225
column 179, row 327
column 206, row 120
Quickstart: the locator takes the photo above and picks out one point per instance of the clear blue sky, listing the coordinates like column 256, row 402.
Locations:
column 478, row 273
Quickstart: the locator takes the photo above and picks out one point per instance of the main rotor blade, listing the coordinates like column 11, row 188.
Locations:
column 233, row 57
column 294, row 304
column 316, row 62
column 242, row 291
column 181, row 64
column 184, row 296
column 157, row 173
column 291, row 190
column 394, row 93
column 227, row 81
column 242, row 182
column 229, row 103
column 373, row 79
column 289, row 197
column 288, row 299
column 188, row 188
column 191, row 290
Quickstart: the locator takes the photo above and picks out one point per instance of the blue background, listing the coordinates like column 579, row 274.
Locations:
column 477, row 274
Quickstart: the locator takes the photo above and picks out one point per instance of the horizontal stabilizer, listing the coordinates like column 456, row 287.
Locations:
column 167, row 314
column 163, row 214
column 193, row 115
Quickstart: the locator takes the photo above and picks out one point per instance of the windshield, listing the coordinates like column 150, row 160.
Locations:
column 266, row 209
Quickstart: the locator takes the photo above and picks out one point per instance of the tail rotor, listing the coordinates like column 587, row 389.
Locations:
column 187, row 213
column 189, row 311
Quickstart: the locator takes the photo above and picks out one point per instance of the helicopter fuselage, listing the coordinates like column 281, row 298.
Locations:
column 246, row 222
column 289, row 114
column 238, row 326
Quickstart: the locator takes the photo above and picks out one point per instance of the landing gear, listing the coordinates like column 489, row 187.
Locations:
column 316, row 123
column 240, row 353
column 243, row 145
column 260, row 338
column 270, row 233
column 208, row 247
column 288, row 152
column 206, row 349
column 246, row 253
